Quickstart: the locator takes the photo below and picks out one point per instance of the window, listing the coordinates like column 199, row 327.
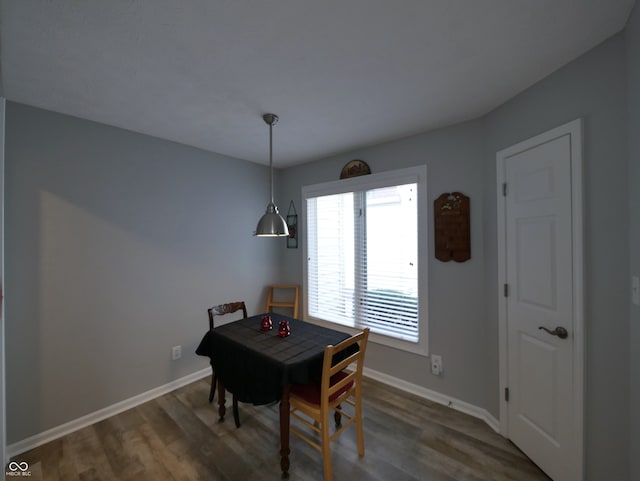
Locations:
column 363, row 262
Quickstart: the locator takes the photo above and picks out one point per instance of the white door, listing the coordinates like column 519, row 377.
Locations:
column 541, row 319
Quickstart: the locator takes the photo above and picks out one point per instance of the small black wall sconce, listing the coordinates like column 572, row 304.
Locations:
column 292, row 223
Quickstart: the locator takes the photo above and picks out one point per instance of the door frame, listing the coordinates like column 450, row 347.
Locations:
column 575, row 130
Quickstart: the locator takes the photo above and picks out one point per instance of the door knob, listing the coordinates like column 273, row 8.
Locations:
column 561, row 332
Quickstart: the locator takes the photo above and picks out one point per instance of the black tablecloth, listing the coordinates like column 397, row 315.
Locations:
column 254, row 365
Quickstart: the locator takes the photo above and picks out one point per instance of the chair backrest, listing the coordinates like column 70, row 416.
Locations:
column 290, row 302
column 328, row 390
column 223, row 309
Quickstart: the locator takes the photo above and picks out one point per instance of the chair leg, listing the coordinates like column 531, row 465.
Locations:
column 326, row 452
column 337, row 417
column 214, row 381
column 359, row 430
column 236, row 413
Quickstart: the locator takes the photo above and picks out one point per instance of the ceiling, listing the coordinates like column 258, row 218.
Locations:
column 341, row 74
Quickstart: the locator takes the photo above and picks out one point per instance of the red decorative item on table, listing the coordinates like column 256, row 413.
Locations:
column 266, row 324
column 284, row 329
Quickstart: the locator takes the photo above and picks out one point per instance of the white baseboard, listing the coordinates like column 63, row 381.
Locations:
column 92, row 418
column 434, row 396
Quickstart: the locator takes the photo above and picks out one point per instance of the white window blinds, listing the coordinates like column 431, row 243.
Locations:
column 362, row 256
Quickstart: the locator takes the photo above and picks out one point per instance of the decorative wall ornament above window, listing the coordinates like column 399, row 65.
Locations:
column 354, row 168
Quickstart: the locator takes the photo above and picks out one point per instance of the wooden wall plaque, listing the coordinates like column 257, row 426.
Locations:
column 452, row 227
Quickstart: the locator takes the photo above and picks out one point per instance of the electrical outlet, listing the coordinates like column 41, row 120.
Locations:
column 176, row 352
column 436, row 364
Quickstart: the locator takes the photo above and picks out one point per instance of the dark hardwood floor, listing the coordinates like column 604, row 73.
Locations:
column 178, row 437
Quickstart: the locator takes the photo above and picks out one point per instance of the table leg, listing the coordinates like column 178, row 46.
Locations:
column 284, row 432
column 221, row 400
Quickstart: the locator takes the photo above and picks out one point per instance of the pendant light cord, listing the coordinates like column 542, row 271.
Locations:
column 271, row 160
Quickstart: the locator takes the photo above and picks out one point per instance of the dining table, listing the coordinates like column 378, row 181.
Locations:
column 259, row 366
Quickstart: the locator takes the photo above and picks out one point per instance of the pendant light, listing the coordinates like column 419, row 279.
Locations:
column 271, row 224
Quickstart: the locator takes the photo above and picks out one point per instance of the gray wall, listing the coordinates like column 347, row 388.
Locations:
column 462, row 158
column 3, row 434
column 454, row 159
column 592, row 87
column 116, row 244
column 632, row 35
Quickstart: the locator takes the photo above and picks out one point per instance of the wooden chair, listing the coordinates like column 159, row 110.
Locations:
column 337, row 386
column 221, row 310
column 291, row 302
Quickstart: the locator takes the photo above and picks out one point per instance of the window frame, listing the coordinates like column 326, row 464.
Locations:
column 416, row 174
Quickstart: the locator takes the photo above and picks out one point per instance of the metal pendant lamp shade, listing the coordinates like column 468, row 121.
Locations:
column 271, row 224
